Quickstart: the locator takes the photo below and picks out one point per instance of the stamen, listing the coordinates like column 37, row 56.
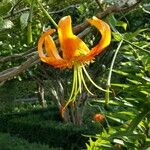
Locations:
column 73, row 84
column 84, row 83
column 79, row 78
column 88, row 76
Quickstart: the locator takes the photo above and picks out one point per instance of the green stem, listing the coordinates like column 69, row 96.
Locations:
column 29, row 27
column 137, row 120
column 29, row 33
column 47, row 14
column 107, row 96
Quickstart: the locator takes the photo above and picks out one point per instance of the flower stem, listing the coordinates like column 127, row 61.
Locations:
column 47, row 14
column 107, row 94
column 29, row 26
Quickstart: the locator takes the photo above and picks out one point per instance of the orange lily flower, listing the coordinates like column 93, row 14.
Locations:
column 75, row 52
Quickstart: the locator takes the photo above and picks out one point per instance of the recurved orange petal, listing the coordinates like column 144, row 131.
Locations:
column 105, row 33
column 41, row 42
column 50, row 48
column 52, row 56
column 71, row 45
column 104, row 41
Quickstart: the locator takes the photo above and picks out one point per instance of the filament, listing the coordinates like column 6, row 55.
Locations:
column 88, row 76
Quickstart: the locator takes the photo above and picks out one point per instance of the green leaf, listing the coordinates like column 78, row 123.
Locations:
column 117, row 36
column 112, row 20
column 126, row 113
column 145, row 92
column 28, row 1
column 120, row 85
column 87, row 146
column 5, row 24
column 81, row 8
column 8, row 24
column 5, row 8
column 146, row 79
column 24, row 20
column 118, row 141
column 121, row 24
column 121, row 72
column 1, row 23
column 134, row 82
column 131, row 35
column 115, row 119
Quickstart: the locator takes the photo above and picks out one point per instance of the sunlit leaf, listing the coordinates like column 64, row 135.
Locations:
column 131, row 35
column 115, row 119
column 121, row 24
column 24, row 20
column 127, row 113
column 6, row 24
column 146, row 78
column 117, row 36
column 118, row 141
column 120, row 85
column 134, row 82
column 145, row 92
column 121, row 72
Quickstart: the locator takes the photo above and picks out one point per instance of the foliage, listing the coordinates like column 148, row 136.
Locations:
column 41, row 126
column 126, row 103
column 8, row 142
column 127, row 114
column 22, row 15
column 10, row 96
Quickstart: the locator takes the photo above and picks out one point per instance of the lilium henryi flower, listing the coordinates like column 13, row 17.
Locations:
column 75, row 53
